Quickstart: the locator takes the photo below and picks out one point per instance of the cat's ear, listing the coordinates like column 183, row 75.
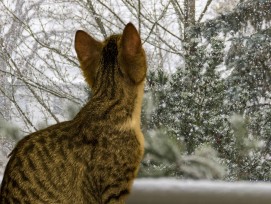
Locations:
column 88, row 52
column 131, row 42
column 132, row 53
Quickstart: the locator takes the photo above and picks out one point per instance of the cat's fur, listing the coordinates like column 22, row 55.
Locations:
column 94, row 158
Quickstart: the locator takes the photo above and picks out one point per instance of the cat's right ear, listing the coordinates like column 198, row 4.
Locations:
column 88, row 52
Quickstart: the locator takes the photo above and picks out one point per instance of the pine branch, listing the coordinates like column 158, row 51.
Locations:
column 253, row 11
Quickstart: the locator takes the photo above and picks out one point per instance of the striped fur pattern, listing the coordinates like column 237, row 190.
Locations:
column 94, row 158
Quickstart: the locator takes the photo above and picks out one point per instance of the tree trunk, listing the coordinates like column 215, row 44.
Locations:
column 189, row 20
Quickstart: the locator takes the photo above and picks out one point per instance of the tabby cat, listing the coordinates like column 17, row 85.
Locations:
column 95, row 157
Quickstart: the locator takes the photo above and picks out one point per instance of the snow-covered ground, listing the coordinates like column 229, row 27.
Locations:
column 172, row 191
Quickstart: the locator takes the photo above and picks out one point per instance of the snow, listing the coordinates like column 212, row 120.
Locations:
column 172, row 191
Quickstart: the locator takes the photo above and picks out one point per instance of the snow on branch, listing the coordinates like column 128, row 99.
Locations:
column 254, row 12
column 163, row 191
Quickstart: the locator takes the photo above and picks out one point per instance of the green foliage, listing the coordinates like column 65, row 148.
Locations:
column 165, row 155
column 248, row 158
column 9, row 131
column 8, row 135
column 193, row 108
column 251, row 12
column 220, row 101
column 72, row 110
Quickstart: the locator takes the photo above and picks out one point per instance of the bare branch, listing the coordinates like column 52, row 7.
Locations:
column 97, row 18
column 178, row 9
column 204, row 10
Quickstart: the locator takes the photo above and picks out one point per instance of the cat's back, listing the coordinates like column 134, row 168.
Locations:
column 41, row 165
column 88, row 155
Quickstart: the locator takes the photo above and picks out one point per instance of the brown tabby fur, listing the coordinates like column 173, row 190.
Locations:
column 95, row 157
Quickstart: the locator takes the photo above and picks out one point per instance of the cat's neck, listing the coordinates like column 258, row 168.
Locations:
column 125, row 108
column 134, row 121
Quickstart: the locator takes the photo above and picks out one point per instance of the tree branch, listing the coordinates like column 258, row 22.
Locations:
column 204, row 10
column 97, row 19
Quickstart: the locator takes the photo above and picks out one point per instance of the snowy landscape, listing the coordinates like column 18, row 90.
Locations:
column 206, row 113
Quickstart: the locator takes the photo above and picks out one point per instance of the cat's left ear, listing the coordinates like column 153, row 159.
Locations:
column 88, row 52
column 133, row 57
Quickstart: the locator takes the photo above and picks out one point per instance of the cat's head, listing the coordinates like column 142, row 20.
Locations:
column 117, row 61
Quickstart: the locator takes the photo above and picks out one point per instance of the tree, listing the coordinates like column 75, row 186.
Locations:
column 36, row 74
column 201, row 99
column 36, row 48
column 189, row 102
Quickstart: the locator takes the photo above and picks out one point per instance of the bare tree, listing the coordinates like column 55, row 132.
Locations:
column 38, row 65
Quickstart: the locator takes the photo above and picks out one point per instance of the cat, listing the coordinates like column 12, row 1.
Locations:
column 95, row 157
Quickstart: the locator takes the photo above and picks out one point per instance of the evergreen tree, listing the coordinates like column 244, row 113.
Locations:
column 226, row 72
